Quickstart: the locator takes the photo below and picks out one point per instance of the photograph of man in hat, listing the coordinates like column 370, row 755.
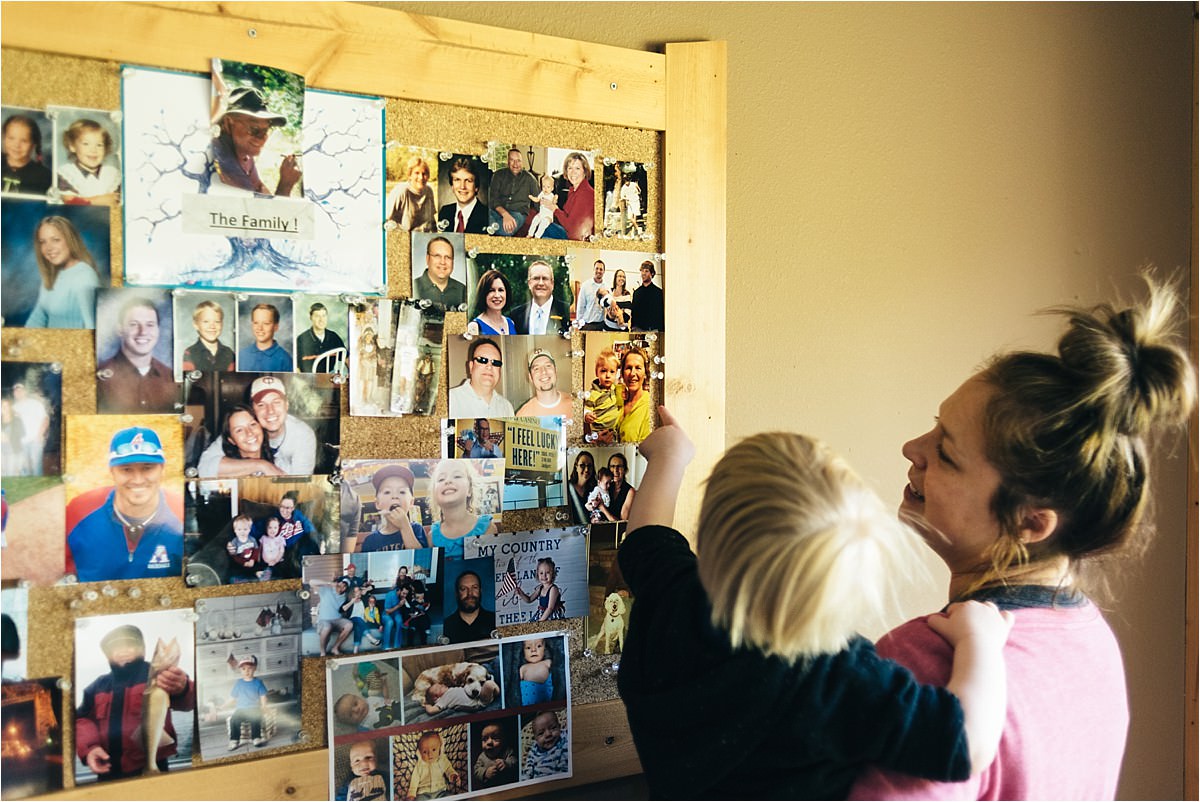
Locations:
column 109, row 734
column 394, row 498
column 134, row 534
column 245, row 124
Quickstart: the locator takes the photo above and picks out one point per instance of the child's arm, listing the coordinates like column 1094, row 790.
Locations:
column 979, row 677
column 552, row 603
column 667, row 451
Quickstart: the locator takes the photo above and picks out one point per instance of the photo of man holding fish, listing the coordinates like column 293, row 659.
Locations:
column 128, row 705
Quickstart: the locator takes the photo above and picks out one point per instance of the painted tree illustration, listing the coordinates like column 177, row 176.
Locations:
column 175, row 160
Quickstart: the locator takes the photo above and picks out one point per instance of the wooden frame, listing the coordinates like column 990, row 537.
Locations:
column 353, row 48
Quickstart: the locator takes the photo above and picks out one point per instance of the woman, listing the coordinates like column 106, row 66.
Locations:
column 67, row 295
column 491, row 296
column 395, row 607
column 411, row 202
column 575, row 220
column 454, row 495
column 1037, row 468
column 580, row 485
column 242, row 439
column 616, row 314
column 635, row 416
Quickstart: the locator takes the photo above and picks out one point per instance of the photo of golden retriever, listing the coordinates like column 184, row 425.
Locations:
column 611, row 637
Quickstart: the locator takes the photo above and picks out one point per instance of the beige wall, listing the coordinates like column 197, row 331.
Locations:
column 907, row 184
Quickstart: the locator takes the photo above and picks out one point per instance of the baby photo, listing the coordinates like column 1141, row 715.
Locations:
column 545, row 744
column 535, row 670
column 364, row 695
column 362, row 770
column 431, row 764
column 494, row 745
column 248, row 673
column 148, row 660
column 87, row 155
column 28, row 154
column 53, row 258
column 412, row 174
column 134, row 352
column 450, row 683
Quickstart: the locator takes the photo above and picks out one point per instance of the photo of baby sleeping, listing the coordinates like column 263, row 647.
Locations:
column 451, row 683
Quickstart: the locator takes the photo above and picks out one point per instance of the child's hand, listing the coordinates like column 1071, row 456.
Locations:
column 980, row 621
column 668, row 441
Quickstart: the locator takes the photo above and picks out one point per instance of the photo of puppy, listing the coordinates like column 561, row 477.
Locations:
column 611, row 637
column 471, row 677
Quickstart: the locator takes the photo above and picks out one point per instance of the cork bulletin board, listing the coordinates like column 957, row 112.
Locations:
column 79, row 70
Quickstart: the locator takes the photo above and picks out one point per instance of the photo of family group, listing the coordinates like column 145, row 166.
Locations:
column 372, row 602
column 602, row 483
column 451, row 721
column 260, row 528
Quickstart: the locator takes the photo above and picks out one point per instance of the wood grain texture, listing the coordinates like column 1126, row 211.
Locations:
column 354, row 48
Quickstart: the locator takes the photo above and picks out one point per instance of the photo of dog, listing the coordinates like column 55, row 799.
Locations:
column 611, row 637
column 471, row 677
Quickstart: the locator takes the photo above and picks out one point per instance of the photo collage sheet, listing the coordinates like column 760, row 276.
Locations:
column 254, row 291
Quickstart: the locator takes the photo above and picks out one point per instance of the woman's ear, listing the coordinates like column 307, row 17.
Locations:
column 1037, row 525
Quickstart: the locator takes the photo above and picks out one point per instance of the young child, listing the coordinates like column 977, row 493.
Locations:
column 599, row 496
column 368, row 781
column 249, row 696
column 394, row 498
column 546, row 206
column 272, row 546
column 497, row 762
column 548, row 595
column 537, row 683
column 793, row 551
column 418, row 622
column 371, row 706
column 602, row 410
column 440, row 697
column 547, row 754
column 432, row 776
column 243, row 552
column 88, row 177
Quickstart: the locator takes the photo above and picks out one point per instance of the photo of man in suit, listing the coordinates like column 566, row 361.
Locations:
column 466, row 215
column 544, row 314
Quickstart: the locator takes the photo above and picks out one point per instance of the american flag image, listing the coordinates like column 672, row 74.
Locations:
column 508, row 584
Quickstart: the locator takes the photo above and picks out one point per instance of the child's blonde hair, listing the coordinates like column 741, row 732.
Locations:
column 795, row 552
column 605, row 356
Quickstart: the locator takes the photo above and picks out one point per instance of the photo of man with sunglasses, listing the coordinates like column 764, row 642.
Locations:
column 245, row 124
column 477, row 396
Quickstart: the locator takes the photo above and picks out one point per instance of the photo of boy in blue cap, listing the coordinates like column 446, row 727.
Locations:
column 134, row 534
